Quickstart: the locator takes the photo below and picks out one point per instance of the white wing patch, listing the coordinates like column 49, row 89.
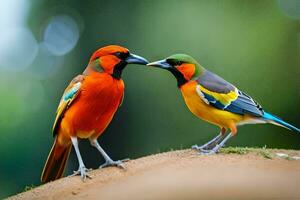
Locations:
column 198, row 90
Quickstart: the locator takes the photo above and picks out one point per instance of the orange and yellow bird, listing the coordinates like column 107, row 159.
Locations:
column 87, row 107
column 215, row 100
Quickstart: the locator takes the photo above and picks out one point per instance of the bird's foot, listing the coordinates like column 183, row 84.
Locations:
column 198, row 148
column 204, row 147
column 207, row 152
column 212, row 151
column 118, row 163
column 82, row 171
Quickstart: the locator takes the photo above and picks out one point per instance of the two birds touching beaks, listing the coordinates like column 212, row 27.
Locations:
column 91, row 99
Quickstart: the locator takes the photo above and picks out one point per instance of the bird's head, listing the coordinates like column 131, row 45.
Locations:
column 182, row 66
column 113, row 59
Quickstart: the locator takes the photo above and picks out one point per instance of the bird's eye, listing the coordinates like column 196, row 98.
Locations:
column 121, row 55
column 174, row 62
column 178, row 63
column 118, row 54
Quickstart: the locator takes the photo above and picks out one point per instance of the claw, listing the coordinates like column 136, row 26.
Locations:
column 202, row 148
column 205, row 147
column 210, row 144
column 196, row 147
column 118, row 163
column 125, row 160
column 82, row 171
column 211, row 151
column 204, row 151
column 208, row 152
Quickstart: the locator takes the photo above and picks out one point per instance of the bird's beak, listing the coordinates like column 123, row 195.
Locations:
column 135, row 59
column 161, row 64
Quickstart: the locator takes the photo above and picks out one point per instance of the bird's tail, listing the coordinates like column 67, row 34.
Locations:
column 279, row 122
column 56, row 162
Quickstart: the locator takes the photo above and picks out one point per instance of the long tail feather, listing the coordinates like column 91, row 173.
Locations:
column 56, row 162
column 279, row 122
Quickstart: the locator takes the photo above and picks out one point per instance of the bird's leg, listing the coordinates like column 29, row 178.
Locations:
column 218, row 146
column 210, row 144
column 82, row 170
column 108, row 160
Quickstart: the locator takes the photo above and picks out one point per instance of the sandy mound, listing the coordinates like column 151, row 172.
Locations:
column 183, row 175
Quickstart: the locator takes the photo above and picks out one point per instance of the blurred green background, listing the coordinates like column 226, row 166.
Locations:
column 43, row 44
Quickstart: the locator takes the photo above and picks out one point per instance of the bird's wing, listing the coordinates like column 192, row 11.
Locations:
column 221, row 94
column 70, row 94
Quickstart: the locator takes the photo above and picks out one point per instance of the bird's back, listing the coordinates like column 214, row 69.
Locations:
column 237, row 101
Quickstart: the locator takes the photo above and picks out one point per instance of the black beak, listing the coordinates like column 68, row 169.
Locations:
column 135, row 59
column 161, row 64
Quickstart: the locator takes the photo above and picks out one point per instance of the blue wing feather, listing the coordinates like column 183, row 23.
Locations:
column 70, row 93
column 276, row 120
column 244, row 104
column 212, row 101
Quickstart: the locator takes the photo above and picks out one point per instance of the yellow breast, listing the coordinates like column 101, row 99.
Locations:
column 205, row 111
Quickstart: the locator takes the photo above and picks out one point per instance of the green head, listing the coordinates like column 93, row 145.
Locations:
column 182, row 66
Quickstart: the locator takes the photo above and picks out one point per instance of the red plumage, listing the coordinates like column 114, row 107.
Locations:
column 87, row 107
column 94, row 107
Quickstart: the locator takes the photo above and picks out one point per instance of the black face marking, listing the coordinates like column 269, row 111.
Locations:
column 174, row 62
column 118, row 69
column 178, row 75
column 122, row 55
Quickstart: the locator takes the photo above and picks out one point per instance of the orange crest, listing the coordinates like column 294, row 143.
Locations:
column 108, row 50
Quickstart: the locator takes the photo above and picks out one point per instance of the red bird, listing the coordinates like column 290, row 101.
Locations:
column 87, row 107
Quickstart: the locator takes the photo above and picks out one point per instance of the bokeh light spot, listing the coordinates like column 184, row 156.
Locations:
column 18, row 48
column 46, row 64
column 61, row 35
column 290, row 7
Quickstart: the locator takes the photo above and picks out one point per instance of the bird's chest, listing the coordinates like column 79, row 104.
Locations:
column 195, row 104
column 205, row 111
column 98, row 101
